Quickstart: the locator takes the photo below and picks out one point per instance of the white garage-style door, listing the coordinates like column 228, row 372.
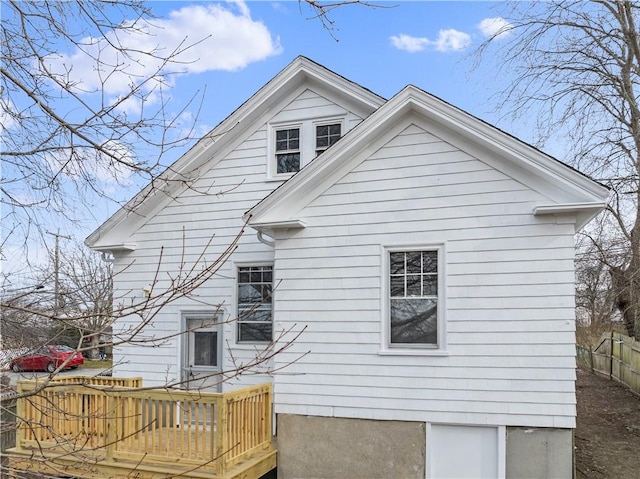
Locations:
column 465, row 452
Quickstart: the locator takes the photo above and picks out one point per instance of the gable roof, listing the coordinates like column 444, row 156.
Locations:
column 112, row 234
column 568, row 190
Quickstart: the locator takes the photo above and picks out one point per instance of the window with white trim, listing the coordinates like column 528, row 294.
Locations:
column 255, row 312
column 293, row 145
column 287, row 150
column 414, row 303
column 327, row 135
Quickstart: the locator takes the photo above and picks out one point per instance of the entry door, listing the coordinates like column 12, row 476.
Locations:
column 202, row 358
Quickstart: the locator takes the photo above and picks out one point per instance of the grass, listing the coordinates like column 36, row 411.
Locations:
column 89, row 364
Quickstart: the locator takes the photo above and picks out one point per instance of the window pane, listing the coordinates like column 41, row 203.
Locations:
column 430, row 261
column 334, row 130
column 323, row 141
column 288, row 163
column 397, row 263
column 414, row 262
column 322, row 130
column 267, row 274
column 256, row 276
column 414, row 286
column 254, row 332
column 254, row 313
column 266, row 293
column 397, row 286
column 414, row 321
column 287, row 139
column 205, row 348
column 430, row 285
column 249, row 293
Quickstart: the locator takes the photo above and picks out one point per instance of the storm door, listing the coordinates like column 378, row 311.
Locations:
column 202, row 352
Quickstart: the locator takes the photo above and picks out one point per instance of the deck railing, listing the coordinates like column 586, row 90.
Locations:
column 212, row 431
column 135, row 382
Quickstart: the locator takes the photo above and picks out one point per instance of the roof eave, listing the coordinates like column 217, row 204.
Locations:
column 584, row 212
column 299, row 70
column 411, row 98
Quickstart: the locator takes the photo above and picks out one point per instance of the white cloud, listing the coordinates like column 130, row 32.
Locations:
column 449, row 40
column 409, row 43
column 202, row 38
column 452, row 40
column 496, row 27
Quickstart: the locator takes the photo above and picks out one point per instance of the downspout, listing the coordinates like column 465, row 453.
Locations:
column 263, row 240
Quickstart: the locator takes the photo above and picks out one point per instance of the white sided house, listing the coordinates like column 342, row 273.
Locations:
column 423, row 263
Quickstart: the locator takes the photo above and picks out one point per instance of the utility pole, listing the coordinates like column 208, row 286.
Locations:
column 56, row 271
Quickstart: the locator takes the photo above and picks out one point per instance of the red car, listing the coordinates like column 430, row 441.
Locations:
column 47, row 358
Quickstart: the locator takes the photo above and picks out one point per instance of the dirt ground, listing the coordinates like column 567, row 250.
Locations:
column 608, row 429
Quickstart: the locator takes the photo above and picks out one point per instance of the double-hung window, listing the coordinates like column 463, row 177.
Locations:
column 287, row 150
column 327, row 135
column 255, row 312
column 294, row 144
column 414, row 303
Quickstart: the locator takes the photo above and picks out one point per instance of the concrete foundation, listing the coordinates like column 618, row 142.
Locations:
column 326, row 447
column 539, row 453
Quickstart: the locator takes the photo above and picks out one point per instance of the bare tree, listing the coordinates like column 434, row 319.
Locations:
column 575, row 66
column 69, row 136
column 80, row 283
column 67, row 139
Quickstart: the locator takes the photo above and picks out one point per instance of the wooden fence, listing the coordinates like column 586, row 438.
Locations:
column 617, row 356
column 208, row 431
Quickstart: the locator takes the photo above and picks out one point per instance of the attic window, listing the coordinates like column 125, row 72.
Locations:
column 327, row 135
column 288, row 150
column 294, row 144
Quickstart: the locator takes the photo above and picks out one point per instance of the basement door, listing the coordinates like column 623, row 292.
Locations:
column 465, row 452
column 202, row 352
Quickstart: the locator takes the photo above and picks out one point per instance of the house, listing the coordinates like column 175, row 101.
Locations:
column 423, row 263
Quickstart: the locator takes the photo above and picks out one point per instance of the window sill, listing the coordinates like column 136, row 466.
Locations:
column 413, row 352
column 251, row 345
column 283, row 177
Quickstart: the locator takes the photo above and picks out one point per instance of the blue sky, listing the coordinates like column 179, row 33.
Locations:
column 423, row 43
column 239, row 46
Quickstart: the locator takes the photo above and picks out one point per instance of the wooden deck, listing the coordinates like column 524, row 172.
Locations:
column 97, row 429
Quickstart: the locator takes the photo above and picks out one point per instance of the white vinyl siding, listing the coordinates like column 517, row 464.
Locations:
column 204, row 220
column 509, row 282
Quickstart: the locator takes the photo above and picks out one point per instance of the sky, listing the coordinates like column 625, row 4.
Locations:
column 239, row 46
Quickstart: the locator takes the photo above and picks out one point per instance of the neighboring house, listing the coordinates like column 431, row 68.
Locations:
column 426, row 258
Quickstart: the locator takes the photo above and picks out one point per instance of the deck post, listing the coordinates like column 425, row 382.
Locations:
column 222, row 436
column 21, row 434
column 111, row 421
column 269, row 414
